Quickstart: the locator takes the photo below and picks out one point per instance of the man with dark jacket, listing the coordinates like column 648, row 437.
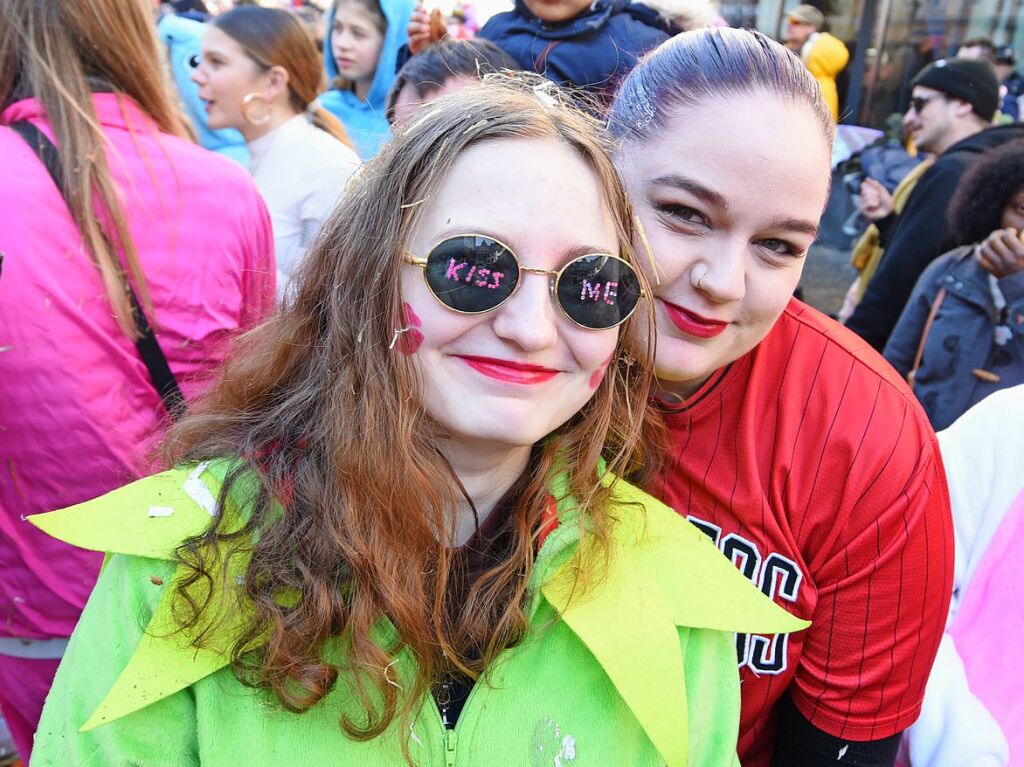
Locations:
column 951, row 109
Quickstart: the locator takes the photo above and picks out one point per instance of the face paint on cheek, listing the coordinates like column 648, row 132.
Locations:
column 409, row 338
column 598, row 375
column 410, row 316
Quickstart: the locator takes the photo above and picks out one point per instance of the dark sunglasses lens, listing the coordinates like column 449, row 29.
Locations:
column 471, row 274
column 598, row 291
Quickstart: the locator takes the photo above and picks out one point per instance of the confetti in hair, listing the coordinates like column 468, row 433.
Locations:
column 543, row 93
column 414, row 204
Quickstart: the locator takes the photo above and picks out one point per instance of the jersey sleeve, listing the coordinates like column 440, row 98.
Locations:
column 884, row 580
column 106, row 636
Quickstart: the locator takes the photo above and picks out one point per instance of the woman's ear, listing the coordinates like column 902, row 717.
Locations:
column 277, row 82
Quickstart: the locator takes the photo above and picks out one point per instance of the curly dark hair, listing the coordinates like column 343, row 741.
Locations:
column 977, row 206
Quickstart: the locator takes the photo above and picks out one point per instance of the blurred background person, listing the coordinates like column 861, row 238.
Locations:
column 952, row 105
column 79, row 405
column 824, row 54
column 443, row 68
column 977, row 48
column 361, row 51
column 261, row 74
column 315, row 19
column 972, row 706
column 689, row 14
column 589, row 44
column 961, row 335
column 1013, row 81
column 183, row 38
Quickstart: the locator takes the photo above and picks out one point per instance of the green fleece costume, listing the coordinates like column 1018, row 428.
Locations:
column 639, row 671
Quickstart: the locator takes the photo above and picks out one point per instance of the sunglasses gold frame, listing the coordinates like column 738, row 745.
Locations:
column 554, row 275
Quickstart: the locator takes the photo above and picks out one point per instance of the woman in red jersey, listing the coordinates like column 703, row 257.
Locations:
column 790, row 442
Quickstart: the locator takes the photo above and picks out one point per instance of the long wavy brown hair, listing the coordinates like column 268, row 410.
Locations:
column 57, row 53
column 348, row 503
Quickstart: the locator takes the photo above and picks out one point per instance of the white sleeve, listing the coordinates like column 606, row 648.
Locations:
column 983, row 454
column 326, row 189
column 954, row 728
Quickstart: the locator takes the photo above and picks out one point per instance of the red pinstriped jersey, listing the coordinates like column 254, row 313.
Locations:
column 810, row 464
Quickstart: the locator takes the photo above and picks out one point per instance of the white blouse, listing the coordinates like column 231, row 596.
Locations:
column 302, row 173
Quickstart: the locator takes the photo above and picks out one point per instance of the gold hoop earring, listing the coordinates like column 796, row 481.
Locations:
column 247, row 101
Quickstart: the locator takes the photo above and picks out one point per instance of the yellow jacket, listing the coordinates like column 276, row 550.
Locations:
column 826, row 58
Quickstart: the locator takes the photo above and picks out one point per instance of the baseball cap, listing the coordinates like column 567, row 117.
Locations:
column 971, row 80
column 1005, row 55
column 808, row 14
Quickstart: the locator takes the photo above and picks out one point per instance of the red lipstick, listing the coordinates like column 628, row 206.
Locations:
column 510, row 371
column 693, row 324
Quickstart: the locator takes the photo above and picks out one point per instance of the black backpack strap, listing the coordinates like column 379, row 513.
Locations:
column 149, row 350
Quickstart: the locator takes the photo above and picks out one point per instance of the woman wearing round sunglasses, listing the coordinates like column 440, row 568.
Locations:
column 419, row 552
column 794, row 446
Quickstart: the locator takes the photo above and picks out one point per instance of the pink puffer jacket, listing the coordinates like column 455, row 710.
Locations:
column 78, row 412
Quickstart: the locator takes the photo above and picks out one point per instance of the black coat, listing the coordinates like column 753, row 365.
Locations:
column 918, row 235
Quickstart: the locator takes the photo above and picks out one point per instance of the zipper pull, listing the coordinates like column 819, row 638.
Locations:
column 450, row 741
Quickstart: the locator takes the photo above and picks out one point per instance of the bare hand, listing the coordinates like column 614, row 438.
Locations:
column 1002, row 253
column 875, row 202
column 422, row 31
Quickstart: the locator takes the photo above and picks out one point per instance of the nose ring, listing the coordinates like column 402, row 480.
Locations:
column 701, row 279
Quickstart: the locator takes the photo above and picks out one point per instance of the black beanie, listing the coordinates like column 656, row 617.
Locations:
column 972, row 80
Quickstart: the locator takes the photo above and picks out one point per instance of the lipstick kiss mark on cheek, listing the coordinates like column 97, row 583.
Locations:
column 411, row 318
column 410, row 339
column 598, row 375
column 409, row 342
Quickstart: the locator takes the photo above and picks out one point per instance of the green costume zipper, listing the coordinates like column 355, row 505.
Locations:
column 450, row 736
column 451, row 740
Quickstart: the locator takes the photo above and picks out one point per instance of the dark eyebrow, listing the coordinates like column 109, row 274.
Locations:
column 695, row 188
column 717, row 200
column 795, row 225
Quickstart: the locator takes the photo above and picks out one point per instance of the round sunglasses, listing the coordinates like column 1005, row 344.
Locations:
column 474, row 273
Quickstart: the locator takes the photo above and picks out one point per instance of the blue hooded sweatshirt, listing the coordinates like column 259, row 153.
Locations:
column 366, row 121
column 593, row 50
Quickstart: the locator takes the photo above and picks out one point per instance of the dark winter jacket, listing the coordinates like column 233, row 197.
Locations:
column 919, row 235
column 594, row 50
column 1014, row 97
column 963, row 337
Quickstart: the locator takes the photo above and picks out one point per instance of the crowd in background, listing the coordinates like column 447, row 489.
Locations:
column 166, row 199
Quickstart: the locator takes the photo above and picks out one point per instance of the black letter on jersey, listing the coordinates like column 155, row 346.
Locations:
column 768, row 654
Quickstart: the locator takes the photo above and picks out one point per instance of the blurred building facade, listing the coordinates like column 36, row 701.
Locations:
column 890, row 40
